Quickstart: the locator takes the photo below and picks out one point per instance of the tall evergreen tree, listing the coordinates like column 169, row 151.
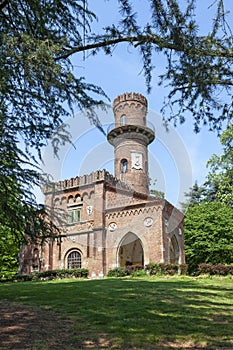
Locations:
column 194, row 197
column 39, row 87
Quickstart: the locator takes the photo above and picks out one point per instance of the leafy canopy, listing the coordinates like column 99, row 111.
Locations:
column 209, row 218
column 220, row 177
column 218, row 186
column 209, row 234
column 39, row 86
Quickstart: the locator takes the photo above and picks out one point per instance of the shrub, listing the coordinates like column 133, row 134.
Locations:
column 117, row 272
column 139, row 273
column 130, row 269
column 166, row 269
column 52, row 275
column 153, row 269
column 22, row 278
column 217, row 269
column 183, row 269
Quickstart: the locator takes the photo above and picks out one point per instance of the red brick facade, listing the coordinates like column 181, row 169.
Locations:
column 108, row 221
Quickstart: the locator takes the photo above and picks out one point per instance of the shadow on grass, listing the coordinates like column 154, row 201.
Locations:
column 24, row 327
column 134, row 314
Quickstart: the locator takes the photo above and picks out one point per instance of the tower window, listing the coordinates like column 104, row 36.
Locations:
column 74, row 260
column 123, row 119
column 74, row 215
column 124, row 166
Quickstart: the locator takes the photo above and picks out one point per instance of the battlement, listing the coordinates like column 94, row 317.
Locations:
column 83, row 180
column 129, row 97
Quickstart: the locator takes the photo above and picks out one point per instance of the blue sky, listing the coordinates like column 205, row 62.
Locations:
column 177, row 158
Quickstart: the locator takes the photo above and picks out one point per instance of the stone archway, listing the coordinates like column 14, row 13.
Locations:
column 130, row 251
column 174, row 251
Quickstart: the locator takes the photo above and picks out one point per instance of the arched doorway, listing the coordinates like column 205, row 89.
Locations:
column 174, row 251
column 130, row 251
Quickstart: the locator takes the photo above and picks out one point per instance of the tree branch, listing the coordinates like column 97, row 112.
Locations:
column 144, row 39
column 3, row 4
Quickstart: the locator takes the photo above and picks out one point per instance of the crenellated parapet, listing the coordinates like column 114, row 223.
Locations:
column 130, row 99
column 78, row 181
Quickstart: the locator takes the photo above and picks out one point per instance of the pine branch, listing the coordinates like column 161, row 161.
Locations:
column 3, row 4
column 147, row 39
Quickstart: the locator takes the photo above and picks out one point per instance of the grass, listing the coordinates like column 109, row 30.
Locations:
column 135, row 313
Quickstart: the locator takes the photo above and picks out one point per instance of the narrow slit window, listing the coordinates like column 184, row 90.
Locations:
column 123, row 119
column 124, row 166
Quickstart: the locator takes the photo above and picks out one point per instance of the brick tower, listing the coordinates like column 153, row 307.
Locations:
column 130, row 137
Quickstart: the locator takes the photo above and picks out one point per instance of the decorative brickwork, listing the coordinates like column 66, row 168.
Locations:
column 107, row 221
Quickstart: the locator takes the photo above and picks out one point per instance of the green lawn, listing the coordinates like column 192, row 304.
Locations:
column 135, row 313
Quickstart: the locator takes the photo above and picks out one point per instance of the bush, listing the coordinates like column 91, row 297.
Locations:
column 153, row 269
column 51, row 275
column 150, row 269
column 130, row 269
column 117, row 272
column 139, row 273
column 217, row 269
column 166, row 269
column 22, row 278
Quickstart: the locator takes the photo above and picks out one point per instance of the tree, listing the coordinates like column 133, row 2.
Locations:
column 199, row 66
column 209, row 218
column 220, row 177
column 208, row 234
column 34, row 86
column 194, row 197
column 9, row 249
column 38, row 85
column 154, row 191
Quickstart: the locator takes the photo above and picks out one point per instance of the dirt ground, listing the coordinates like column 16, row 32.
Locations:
column 27, row 328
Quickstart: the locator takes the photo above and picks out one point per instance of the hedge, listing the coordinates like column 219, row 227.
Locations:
column 166, row 269
column 217, row 269
column 51, row 275
column 150, row 269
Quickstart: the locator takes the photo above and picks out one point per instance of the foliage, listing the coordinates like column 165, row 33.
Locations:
column 198, row 65
column 9, row 249
column 218, row 186
column 220, row 177
column 129, row 313
column 195, row 196
column 117, row 272
column 150, row 269
column 208, row 230
column 37, row 90
column 51, row 275
column 39, row 86
column 157, row 193
column 217, row 269
column 166, row 269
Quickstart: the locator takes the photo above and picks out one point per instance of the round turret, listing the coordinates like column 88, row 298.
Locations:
column 130, row 136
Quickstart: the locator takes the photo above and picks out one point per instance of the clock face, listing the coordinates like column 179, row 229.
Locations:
column 148, row 222
column 112, row 226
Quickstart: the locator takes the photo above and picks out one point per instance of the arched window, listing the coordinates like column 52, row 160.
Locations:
column 123, row 119
column 35, row 260
column 74, row 260
column 124, row 166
